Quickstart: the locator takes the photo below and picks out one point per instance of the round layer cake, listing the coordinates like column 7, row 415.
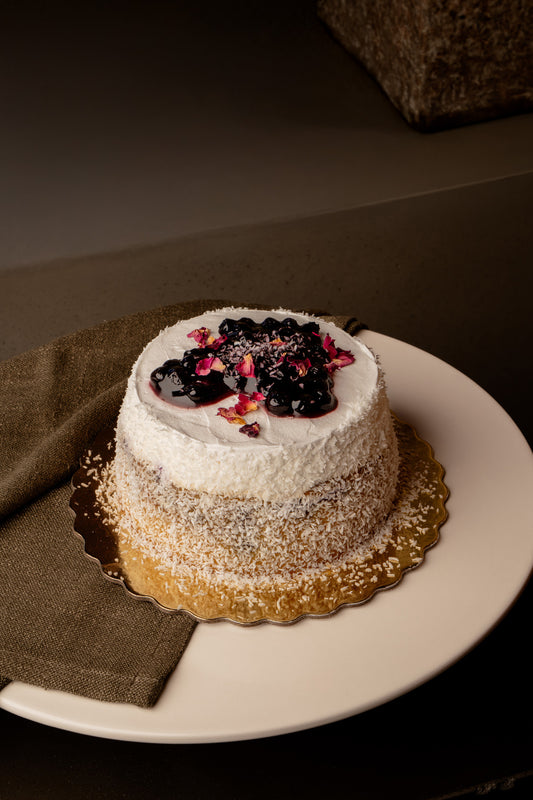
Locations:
column 255, row 451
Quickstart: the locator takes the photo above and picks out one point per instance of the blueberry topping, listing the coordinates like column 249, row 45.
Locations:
column 168, row 380
column 228, row 327
column 203, row 391
column 247, row 324
column 291, row 323
column 291, row 368
column 192, row 357
column 279, row 403
column 271, row 326
column 316, row 404
column 311, row 327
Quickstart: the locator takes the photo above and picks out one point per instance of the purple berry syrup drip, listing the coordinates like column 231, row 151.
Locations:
column 288, row 364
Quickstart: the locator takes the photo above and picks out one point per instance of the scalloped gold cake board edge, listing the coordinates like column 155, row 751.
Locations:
column 411, row 528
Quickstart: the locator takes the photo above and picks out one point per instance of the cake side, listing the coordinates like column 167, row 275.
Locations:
column 250, row 537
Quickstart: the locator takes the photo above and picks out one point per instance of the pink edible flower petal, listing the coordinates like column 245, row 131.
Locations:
column 345, row 358
column 258, row 397
column 329, row 345
column 217, row 365
column 251, row 430
column 200, row 336
column 204, row 366
column 301, row 365
column 245, row 405
column 246, row 367
column 231, row 415
column 215, row 344
column 342, row 359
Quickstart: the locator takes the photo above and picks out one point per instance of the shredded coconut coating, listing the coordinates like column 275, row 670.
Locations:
column 242, row 538
column 396, row 545
column 208, row 517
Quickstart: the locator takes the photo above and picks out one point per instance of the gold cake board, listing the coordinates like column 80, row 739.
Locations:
column 398, row 546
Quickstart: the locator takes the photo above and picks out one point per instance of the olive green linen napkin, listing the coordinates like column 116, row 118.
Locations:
column 62, row 625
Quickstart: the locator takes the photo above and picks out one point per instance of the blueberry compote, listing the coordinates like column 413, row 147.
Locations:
column 282, row 363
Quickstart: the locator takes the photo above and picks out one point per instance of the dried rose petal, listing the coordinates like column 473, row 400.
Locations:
column 342, row 359
column 329, row 345
column 204, row 366
column 346, row 357
column 258, row 397
column 215, row 344
column 217, row 365
column 231, row 415
column 251, row 429
column 302, row 365
column 246, row 367
column 200, row 336
column 245, row 404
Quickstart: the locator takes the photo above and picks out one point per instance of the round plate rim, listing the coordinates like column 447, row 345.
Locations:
column 210, row 715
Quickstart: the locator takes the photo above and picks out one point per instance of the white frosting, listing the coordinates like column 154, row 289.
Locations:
column 199, row 450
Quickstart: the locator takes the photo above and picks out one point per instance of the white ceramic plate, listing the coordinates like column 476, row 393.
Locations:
column 240, row 683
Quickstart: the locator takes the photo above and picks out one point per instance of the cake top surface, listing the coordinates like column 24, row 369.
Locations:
column 248, row 414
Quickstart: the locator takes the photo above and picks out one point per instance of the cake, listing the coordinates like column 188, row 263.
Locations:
column 254, row 453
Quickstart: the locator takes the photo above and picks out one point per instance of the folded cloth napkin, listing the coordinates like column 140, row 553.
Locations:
column 62, row 625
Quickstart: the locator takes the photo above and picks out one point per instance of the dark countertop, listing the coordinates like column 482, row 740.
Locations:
column 439, row 256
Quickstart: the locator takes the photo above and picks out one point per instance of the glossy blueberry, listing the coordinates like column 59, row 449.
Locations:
column 316, row 374
column 271, row 326
column 161, row 372
column 168, row 380
column 279, row 403
column 191, row 358
column 285, row 332
column 289, row 322
column 247, row 323
column 265, row 383
column 158, row 375
column 316, row 404
column 204, row 391
column 228, row 327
